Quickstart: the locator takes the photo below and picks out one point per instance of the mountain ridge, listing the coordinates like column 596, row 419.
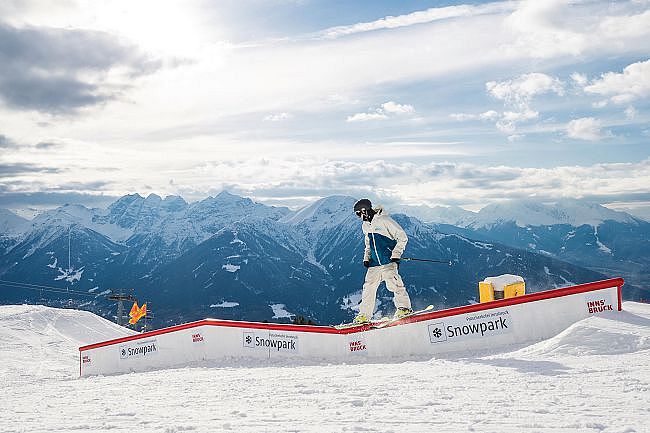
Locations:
column 229, row 256
column 525, row 212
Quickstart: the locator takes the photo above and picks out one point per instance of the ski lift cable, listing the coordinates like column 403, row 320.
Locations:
column 27, row 286
column 66, row 292
column 36, row 285
column 75, row 293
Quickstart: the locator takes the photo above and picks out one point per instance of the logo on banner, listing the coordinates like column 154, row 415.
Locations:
column 140, row 349
column 197, row 338
column 476, row 326
column 437, row 332
column 85, row 359
column 598, row 304
column 357, row 346
column 273, row 342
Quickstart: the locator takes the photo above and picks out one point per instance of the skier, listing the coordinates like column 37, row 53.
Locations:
column 385, row 241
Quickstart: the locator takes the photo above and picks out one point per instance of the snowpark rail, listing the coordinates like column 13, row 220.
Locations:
column 504, row 322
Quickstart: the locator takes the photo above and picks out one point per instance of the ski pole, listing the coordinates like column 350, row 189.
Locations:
column 449, row 262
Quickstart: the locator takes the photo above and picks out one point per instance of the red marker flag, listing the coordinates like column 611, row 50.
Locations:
column 137, row 313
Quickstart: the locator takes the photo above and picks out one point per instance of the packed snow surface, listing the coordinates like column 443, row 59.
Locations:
column 593, row 377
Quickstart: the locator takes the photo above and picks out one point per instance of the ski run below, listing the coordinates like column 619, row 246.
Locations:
column 592, row 377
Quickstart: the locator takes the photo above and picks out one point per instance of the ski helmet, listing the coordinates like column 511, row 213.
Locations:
column 362, row 205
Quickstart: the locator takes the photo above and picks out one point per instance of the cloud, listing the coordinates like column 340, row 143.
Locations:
column 48, row 145
column 518, row 94
column 632, row 84
column 506, row 121
column 300, row 180
column 629, row 26
column 442, row 182
column 463, row 116
column 542, row 28
column 364, row 117
column 521, row 90
column 514, row 116
column 509, row 119
column 202, row 110
column 414, row 18
column 579, row 79
column 385, row 111
column 8, row 170
column 487, row 115
column 6, row 143
column 61, row 70
column 631, row 113
column 515, row 137
column 586, row 128
column 22, row 200
column 278, row 117
column 556, row 28
column 395, row 108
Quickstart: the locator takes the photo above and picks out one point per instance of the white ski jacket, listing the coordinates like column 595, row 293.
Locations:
column 384, row 239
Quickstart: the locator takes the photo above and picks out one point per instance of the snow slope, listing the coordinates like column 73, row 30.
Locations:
column 39, row 342
column 593, row 377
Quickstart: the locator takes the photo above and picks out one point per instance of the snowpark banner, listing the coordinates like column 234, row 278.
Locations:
column 489, row 325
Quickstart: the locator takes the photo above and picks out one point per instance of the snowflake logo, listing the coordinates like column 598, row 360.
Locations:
column 248, row 339
column 437, row 332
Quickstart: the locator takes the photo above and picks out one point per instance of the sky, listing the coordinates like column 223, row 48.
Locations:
column 287, row 101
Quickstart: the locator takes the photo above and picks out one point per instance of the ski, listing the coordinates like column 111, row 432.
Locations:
column 351, row 325
column 390, row 321
column 382, row 322
column 370, row 324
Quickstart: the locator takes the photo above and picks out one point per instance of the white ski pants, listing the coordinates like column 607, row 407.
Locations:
column 394, row 283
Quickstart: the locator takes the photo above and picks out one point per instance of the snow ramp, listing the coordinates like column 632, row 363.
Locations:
column 34, row 338
column 502, row 323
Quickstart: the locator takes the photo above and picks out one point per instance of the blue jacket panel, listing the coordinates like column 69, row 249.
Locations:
column 381, row 249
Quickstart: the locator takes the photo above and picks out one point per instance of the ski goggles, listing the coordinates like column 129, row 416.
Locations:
column 361, row 212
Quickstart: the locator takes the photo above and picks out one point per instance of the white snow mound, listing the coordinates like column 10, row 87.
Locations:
column 42, row 341
column 607, row 334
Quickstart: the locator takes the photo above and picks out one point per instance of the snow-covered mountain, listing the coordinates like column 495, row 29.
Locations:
column 326, row 213
column 526, row 213
column 10, row 223
column 11, row 227
column 577, row 231
column 453, row 215
column 523, row 213
column 229, row 257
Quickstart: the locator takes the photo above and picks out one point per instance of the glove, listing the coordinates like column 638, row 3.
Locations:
column 366, row 263
column 395, row 260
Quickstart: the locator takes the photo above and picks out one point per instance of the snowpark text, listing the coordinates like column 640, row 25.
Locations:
column 142, row 349
column 273, row 343
column 453, row 331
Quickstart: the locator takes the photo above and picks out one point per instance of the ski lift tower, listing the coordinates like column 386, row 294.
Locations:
column 146, row 326
column 120, row 298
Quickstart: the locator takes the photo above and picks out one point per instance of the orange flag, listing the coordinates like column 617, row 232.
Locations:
column 137, row 313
